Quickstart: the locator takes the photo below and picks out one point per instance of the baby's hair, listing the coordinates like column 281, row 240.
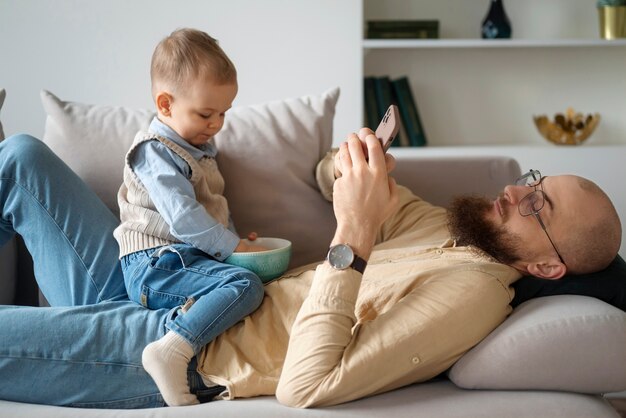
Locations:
column 187, row 54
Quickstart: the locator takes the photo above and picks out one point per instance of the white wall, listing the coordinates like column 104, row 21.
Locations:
column 99, row 51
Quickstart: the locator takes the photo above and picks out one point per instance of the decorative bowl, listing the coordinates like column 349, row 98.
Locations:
column 571, row 128
column 269, row 264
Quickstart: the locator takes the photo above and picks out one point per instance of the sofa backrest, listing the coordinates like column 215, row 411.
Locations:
column 438, row 179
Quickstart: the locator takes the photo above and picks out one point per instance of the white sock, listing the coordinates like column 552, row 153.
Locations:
column 166, row 360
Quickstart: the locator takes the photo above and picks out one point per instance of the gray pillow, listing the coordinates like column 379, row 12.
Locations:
column 267, row 155
column 573, row 343
column 3, row 94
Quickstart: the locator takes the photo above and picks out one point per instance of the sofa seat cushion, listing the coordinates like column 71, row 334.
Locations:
column 439, row 399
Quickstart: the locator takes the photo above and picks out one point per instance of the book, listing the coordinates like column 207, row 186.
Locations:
column 403, row 29
column 382, row 88
column 403, row 137
column 406, row 23
column 371, row 107
column 409, row 112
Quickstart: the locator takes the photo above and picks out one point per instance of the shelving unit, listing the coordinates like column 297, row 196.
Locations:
column 472, row 91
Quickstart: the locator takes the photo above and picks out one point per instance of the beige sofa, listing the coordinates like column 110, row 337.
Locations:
column 553, row 357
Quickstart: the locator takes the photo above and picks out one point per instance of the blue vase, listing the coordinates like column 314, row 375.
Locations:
column 496, row 24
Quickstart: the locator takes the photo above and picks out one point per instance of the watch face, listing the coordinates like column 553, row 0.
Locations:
column 340, row 256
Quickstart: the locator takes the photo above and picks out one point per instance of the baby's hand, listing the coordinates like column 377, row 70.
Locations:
column 254, row 248
column 245, row 247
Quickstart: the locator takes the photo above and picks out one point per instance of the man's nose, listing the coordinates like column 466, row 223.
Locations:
column 514, row 193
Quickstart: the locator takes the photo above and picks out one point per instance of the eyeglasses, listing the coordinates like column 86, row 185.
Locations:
column 533, row 202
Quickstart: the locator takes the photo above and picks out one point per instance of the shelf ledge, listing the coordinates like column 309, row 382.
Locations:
column 488, row 43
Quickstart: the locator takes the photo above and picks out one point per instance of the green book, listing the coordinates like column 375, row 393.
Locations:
column 371, row 107
column 408, row 29
column 402, row 24
column 404, row 34
column 408, row 112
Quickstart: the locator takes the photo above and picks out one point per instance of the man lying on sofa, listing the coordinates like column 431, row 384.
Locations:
column 406, row 290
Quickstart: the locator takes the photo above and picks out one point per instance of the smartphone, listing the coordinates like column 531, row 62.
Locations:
column 388, row 127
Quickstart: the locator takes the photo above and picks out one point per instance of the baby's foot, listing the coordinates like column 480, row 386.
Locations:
column 166, row 360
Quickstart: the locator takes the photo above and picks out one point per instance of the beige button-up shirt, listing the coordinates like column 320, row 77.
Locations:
column 323, row 336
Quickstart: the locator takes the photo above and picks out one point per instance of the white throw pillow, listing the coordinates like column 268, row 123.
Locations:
column 267, row 155
column 3, row 94
column 573, row 343
column 93, row 140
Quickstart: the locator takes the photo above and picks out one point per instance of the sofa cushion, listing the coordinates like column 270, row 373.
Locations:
column 566, row 343
column 267, row 155
column 3, row 94
column 93, row 140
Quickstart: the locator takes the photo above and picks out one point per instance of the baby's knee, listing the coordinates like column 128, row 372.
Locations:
column 257, row 288
column 251, row 287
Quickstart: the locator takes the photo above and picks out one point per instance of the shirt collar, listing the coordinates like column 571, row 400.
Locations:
column 159, row 128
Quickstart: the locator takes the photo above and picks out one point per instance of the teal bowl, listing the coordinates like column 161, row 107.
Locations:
column 269, row 264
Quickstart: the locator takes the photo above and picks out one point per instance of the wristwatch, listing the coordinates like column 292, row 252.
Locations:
column 341, row 256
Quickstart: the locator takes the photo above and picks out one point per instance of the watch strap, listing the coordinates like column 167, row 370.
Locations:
column 359, row 264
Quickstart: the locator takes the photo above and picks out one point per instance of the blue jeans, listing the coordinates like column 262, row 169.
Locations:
column 85, row 350
column 169, row 276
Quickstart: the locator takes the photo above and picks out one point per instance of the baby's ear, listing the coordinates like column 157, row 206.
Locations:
column 163, row 102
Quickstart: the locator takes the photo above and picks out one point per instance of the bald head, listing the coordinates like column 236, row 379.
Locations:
column 592, row 233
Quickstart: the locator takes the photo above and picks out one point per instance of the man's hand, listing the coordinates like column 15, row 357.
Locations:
column 390, row 161
column 364, row 196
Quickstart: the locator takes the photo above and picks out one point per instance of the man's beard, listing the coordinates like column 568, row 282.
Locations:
column 468, row 226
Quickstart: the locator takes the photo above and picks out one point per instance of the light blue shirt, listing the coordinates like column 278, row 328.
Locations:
column 165, row 175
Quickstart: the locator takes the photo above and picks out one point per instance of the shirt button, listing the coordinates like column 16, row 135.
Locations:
column 415, row 360
column 439, row 252
column 218, row 255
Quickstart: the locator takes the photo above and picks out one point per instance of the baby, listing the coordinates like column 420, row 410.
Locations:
column 176, row 229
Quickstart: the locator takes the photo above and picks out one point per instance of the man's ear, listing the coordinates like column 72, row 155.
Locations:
column 163, row 102
column 551, row 270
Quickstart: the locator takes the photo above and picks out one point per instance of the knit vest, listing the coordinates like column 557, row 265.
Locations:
column 142, row 227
